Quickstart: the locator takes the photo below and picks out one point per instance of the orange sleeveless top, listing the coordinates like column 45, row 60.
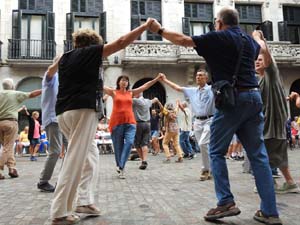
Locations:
column 122, row 109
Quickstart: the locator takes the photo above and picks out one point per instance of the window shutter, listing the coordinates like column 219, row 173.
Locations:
column 102, row 28
column 83, row 6
column 74, row 6
column 16, row 24
column 50, row 26
column 186, row 26
column 283, row 31
column 267, row 29
column 69, row 26
column 31, row 5
column 22, row 4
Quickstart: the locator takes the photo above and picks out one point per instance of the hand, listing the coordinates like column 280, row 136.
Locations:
column 149, row 23
column 258, row 34
column 292, row 96
column 162, row 76
column 154, row 26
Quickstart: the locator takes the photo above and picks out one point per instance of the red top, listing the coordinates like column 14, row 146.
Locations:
column 122, row 109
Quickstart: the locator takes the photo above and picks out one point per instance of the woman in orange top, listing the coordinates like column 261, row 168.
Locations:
column 122, row 124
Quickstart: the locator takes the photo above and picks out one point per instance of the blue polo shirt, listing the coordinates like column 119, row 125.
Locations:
column 220, row 49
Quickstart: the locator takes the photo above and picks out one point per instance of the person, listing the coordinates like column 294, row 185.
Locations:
column 77, row 109
column 34, row 133
column 203, row 109
column 23, row 141
column 154, row 122
column 141, row 109
column 44, row 143
column 122, row 123
column 171, row 136
column 275, row 110
column 245, row 118
column 294, row 96
column 50, row 124
column 10, row 101
column 185, row 125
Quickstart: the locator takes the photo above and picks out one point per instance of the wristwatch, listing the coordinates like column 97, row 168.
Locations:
column 160, row 31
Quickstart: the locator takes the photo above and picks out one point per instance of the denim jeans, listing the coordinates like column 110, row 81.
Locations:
column 184, row 140
column 123, row 137
column 247, row 121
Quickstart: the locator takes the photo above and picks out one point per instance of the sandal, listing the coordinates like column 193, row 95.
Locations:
column 66, row 220
column 222, row 211
column 270, row 220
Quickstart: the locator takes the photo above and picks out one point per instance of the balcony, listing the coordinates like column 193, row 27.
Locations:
column 24, row 52
column 285, row 53
column 68, row 45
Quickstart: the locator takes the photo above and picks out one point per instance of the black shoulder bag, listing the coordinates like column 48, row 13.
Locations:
column 224, row 91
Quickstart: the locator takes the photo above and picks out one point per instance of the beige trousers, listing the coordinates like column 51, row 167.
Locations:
column 8, row 135
column 175, row 137
column 80, row 163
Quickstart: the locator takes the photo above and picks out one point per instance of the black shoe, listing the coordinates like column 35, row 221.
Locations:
column 144, row 165
column 191, row 156
column 186, row 156
column 45, row 187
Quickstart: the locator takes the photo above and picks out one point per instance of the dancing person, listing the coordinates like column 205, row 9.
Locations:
column 245, row 118
column 10, row 101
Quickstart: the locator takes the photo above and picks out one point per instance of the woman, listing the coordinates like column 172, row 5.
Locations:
column 122, row 124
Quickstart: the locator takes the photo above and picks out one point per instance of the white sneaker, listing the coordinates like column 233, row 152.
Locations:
column 121, row 174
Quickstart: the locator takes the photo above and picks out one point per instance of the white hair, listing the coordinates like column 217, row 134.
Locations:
column 8, row 84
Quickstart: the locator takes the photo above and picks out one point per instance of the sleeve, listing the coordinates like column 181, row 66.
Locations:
column 22, row 96
column 205, row 42
column 187, row 92
column 149, row 103
column 49, row 82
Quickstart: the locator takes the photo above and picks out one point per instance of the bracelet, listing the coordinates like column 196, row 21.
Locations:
column 160, row 31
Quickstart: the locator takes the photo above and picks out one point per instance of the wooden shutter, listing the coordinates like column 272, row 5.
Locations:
column 74, row 6
column 69, row 25
column 102, row 28
column 267, row 29
column 50, row 26
column 16, row 24
column 283, row 31
column 186, row 29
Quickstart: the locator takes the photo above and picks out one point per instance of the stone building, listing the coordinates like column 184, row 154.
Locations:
column 32, row 32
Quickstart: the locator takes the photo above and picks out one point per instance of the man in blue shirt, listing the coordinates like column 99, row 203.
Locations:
column 221, row 49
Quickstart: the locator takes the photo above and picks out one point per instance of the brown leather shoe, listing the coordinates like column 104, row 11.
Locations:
column 13, row 173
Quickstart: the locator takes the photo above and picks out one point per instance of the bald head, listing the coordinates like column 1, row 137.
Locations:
column 8, row 84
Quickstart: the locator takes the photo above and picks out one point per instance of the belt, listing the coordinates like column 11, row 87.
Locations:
column 203, row 117
column 244, row 89
column 10, row 119
column 140, row 121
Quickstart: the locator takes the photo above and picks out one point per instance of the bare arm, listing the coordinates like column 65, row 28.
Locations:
column 108, row 91
column 296, row 97
column 52, row 69
column 146, row 85
column 171, row 84
column 35, row 93
column 125, row 40
column 264, row 50
column 174, row 37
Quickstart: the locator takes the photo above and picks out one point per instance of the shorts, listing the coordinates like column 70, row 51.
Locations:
column 154, row 133
column 142, row 135
column 277, row 152
column 35, row 141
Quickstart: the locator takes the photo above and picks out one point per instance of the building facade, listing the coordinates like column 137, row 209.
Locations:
column 32, row 32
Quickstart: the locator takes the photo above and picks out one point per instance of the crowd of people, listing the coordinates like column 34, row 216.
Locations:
column 72, row 106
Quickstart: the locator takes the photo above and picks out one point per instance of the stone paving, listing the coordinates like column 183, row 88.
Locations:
column 164, row 194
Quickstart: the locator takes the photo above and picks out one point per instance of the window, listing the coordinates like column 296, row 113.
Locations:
column 27, row 4
column 36, row 5
column 198, row 18
column 78, row 6
column 289, row 30
column 140, row 11
column 250, row 17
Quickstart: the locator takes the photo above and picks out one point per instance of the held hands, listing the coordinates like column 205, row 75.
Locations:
column 154, row 26
column 162, row 76
column 149, row 23
column 292, row 96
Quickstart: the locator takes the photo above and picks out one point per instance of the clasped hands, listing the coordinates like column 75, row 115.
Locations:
column 153, row 25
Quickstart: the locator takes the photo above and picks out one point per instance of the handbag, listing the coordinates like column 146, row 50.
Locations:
column 224, row 91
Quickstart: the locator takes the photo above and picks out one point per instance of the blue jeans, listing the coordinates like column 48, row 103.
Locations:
column 184, row 140
column 123, row 138
column 247, row 121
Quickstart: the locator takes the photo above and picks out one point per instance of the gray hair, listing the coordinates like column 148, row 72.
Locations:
column 8, row 84
column 229, row 16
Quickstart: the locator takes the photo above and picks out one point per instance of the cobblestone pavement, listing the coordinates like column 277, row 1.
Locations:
column 164, row 194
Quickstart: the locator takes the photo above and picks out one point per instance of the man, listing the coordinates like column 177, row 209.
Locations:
column 10, row 101
column 155, row 125
column 77, row 107
column 50, row 124
column 141, row 111
column 203, row 108
column 275, row 110
column 220, row 49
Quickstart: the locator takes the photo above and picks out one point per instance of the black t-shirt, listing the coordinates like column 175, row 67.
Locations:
column 220, row 49
column 154, row 121
column 78, row 78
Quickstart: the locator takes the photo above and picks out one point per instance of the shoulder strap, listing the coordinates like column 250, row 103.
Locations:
column 237, row 67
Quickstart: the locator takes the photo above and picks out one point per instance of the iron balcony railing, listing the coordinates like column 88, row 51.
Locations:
column 31, row 49
column 68, row 45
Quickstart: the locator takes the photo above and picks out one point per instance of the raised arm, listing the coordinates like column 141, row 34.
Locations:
column 264, row 50
column 294, row 96
column 145, row 86
column 35, row 93
column 171, row 84
column 174, row 37
column 108, row 91
column 125, row 40
column 52, row 69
